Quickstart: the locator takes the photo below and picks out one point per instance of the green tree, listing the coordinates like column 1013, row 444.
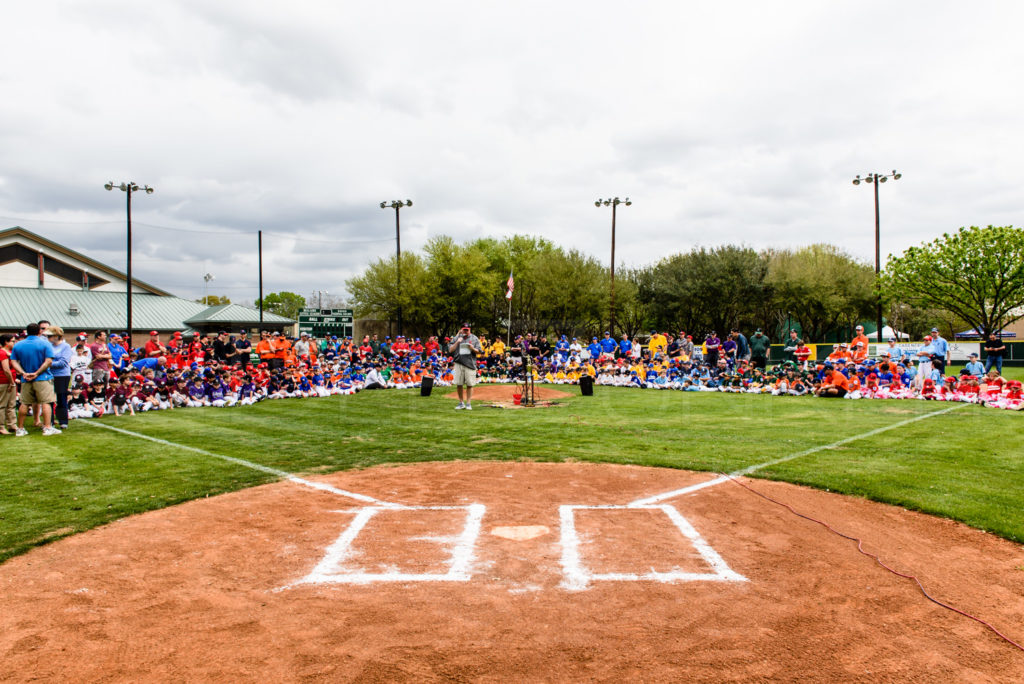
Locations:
column 707, row 289
column 375, row 293
column 287, row 304
column 822, row 287
column 461, row 285
column 213, row 300
column 977, row 274
column 572, row 293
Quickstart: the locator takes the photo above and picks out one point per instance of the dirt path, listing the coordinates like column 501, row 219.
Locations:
column 260, row 585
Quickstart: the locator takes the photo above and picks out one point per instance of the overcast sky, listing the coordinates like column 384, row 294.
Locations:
column 736, row 122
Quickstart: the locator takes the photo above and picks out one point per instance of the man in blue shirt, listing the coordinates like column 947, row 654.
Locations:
column 118, row 352
column 32, row 358
column 625, row 346
column 608, row 345
column 940, row 349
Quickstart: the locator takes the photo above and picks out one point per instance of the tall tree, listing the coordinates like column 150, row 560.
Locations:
column 708, row 289
column 822, row 287
column 287, row 304
column 375, row 293
column 461, row 286
column 976, row 274
column 213, row 300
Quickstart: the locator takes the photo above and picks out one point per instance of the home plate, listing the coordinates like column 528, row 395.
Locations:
column 520, row 532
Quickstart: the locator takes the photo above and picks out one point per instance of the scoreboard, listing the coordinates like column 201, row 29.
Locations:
column 326, row 322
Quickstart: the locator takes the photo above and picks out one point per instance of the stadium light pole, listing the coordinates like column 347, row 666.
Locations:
column 397, row 206
column 128, row 188
column 206, row 288
column 876, row 179
column 614, row 204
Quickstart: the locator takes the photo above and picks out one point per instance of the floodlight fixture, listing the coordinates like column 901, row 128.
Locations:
column 876, row 179
column 397, row 206
column 128, row 188
column 613, row 203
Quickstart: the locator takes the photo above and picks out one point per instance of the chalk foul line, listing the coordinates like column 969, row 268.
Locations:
column 284, row 475
column 767, row 464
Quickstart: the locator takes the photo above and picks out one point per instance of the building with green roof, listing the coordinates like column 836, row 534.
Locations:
column 42, row 280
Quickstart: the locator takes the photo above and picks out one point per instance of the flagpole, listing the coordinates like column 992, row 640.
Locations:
column 508, row 331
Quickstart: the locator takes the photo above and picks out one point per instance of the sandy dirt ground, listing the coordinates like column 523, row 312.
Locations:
column 502, row 395
column 275, row 583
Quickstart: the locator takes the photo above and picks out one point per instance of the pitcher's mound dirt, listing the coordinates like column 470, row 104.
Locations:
column 212, row 590
column 502, row 394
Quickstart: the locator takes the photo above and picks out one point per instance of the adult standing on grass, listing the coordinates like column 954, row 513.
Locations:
column 154, row 347
column 464, row 349
column 995, row 348
column 8, row 386
column 101, row 358
column 61, row 369
column 32, row 358
column 760, row 349
column 713, row 344
column 924, row 363
column 244, row 348
column 941, row 357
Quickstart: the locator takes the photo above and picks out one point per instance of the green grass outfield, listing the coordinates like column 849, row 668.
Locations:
column 966, row 464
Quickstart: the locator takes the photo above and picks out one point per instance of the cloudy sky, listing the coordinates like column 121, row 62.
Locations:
column 735, row 122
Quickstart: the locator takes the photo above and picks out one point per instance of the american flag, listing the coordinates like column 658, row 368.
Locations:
column 511, row 286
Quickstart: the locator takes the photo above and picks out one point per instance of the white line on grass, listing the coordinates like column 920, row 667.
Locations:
column 754, row 468
column 254, row 466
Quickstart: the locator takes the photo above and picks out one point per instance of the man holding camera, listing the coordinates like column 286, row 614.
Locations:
column 464, row 347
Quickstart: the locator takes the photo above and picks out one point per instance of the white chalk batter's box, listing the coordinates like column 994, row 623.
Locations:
column 600, row 543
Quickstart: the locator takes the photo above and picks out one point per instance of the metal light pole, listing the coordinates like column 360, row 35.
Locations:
column 206, row 288
column 128, row 188
column 875, row 179
column 614, row 203
column 259, row 248
column 397, row 206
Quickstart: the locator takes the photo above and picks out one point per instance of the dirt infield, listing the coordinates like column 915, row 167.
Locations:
column 513, row 572
column 502, row 394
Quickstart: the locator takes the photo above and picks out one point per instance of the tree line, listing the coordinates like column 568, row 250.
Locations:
column 563, row 291
column 971, row 278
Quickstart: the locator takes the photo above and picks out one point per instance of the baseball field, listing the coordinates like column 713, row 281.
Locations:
column 629, row 536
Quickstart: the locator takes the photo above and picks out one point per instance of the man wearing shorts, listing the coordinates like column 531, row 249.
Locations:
column 32, row 358
column 100, row 358
column 464, row 348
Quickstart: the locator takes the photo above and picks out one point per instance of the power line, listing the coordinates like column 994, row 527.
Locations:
column 234, row 233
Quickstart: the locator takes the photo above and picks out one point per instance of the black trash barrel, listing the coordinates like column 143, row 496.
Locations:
column 587, row 386
column 426, row 384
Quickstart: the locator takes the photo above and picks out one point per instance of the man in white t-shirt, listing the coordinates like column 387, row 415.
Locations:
column 464, row 348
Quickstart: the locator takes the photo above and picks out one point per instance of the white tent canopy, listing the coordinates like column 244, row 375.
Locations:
column 888, row 332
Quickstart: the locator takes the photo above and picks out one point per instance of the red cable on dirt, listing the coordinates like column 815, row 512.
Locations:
column 860, row 547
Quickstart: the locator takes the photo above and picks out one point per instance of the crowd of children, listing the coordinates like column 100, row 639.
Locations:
column 198, row 373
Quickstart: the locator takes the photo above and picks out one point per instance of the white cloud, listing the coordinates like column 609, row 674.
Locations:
column 739, row 122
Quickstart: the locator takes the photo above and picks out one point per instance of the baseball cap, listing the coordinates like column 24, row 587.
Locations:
column 153, row 332
column 935, row 330
column 54, row 330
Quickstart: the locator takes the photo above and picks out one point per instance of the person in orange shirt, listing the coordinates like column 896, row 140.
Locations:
column 859, row 345
column 280, row 345
column 834, row 385
column 266, row 353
